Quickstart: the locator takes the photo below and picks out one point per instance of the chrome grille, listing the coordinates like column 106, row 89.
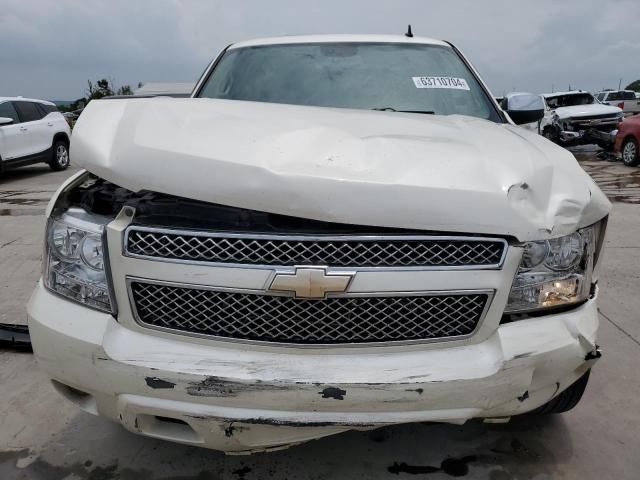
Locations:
column 340, row 251
column 283, row 319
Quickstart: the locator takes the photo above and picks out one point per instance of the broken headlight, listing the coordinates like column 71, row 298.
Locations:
column 556, row 272
column 74, row 265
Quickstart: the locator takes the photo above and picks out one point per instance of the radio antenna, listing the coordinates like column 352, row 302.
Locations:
column 409, row 33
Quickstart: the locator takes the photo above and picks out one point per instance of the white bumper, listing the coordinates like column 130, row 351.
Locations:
column 239, row 398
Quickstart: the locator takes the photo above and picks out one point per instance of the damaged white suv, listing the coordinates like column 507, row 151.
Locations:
column 334, row 233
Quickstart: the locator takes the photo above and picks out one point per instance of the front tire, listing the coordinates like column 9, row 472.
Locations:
column 566, row 400
column 550, row 134
column 630, row 154
column 60, row 156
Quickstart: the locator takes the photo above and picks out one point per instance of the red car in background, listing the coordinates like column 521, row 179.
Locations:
column 628, row 140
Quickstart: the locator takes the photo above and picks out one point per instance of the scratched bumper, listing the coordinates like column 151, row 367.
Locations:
column 240, row 399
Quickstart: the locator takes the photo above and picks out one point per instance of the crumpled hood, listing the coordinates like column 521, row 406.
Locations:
column 578, row 111
column 439, row 173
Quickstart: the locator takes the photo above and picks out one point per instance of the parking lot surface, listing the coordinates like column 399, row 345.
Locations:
column 24, row 194
column 44, row 437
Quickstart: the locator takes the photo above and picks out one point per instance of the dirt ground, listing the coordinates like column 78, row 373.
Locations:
column 44, row 437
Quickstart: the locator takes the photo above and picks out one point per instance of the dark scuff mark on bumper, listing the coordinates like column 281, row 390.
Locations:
column 238, row 422
column 333, row 392
column 289, row 423
column 524, row 396
column 228, row 431
column 219, row 387
column 211, row 387
column 155, row 382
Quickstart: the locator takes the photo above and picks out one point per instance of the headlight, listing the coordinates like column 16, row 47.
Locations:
column 74, row 264
column 555, row 272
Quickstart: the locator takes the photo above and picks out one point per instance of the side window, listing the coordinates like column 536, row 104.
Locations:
column 41, row 110
column 27, row 111
column 600, row 97
column 7, row 110
column 629, row 96
column 46, row 109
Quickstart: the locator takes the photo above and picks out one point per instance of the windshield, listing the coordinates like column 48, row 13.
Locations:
column 570, row 100
column 409, row 77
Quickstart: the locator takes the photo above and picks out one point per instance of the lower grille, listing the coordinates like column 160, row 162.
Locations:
column 283, row 319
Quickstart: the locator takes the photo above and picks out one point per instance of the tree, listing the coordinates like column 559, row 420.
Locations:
column 75, row 105
column 633, row 86
column 106, row 88
column 102, row 88
column 124, row 90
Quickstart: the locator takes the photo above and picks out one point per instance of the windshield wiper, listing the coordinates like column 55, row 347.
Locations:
column 391, row 109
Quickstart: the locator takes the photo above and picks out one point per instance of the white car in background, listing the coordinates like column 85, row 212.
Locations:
column 623, row 99
column 32, row 131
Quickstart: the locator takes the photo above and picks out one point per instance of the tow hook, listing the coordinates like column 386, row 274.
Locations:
column 594, row 354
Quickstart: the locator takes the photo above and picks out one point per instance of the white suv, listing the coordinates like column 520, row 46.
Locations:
column 32, row 131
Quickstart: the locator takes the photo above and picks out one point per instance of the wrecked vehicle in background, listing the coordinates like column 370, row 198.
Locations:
column 577, row 118
column 334, row 233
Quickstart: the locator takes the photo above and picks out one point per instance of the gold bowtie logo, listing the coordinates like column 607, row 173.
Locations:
column 311, row 282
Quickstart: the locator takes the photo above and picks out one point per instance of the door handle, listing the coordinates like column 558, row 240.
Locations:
column 23, row 129
column 50, row 124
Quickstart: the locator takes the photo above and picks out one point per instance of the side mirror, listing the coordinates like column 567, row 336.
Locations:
column 5, row 121
column 523, row 107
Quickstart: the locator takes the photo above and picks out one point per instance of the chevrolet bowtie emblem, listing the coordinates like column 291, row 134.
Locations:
column 311, row 282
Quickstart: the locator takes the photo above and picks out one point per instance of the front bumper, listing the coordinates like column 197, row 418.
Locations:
column 239, row 398
column 586, row 136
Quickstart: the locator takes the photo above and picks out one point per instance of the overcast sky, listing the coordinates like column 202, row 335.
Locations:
column 49, row 48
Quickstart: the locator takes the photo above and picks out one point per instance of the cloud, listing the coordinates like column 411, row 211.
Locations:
column 50, row 48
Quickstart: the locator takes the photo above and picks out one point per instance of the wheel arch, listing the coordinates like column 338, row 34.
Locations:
column 61, row 136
